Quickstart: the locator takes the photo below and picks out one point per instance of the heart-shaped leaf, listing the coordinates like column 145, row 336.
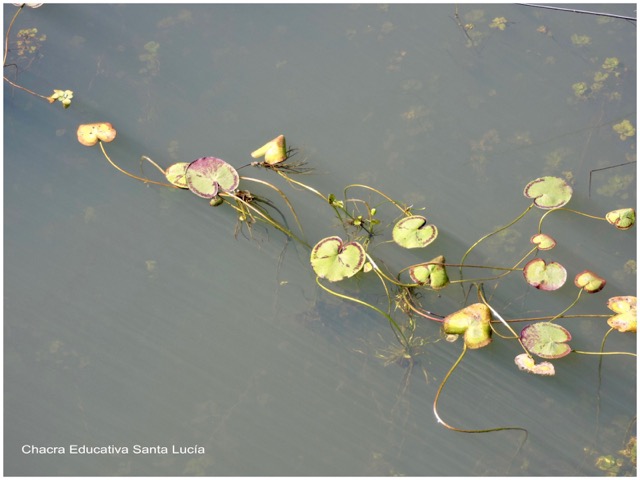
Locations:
column 414, row 232
column 546, row 340
column 207, row 175
column 622, row 219
column 474, row 322
column 177, row 174
column 543, row 275
column 432, row 272
column 626, row 319
column 543, row 241
column 90, row 133
column 548, row 192
column 274, row 151
column 526, row 363
column 334, row 260
column 589, row 281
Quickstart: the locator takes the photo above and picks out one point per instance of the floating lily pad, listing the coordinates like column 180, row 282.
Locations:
column 526, row 364
column 543, row 275
column 546, row 340
column 474, row 322
column 543, row 241
column 589, row 281
column 274, row 151
column 626, row 319
column 90, row 133
column 548, row 192
column 414, row 232
column 432, row 272
column 177, row 174
column 622, row 219
column 207, row 175
column 334, row 260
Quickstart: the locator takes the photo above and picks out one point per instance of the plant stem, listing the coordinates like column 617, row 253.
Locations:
column 567, row 210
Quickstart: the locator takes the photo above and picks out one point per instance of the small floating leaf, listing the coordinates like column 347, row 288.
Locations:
column 548, row 192
column 544, row 276
column 622, row 219
column 274, row 151
column 543, row 241
column 334, row 260
column 432, row 272
column 589, row 281
column 206, row 175
column 90, row 133
column 414, row 232
column 176, row 174
column 626, row 319
column 526, row 364
column 474, row 321
column 546, row 340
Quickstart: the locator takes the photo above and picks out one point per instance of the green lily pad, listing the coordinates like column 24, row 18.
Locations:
column 626, row 319
column 474, row 321
column 526, row 364
column 177, row 174
column 543, row 241
column 546, row 340
column 548, row 192
column 207, row 175
column 414, row 232
column 622, row 219
column 589, row 281
column 334, row 260
column 432, row 272
column 543, row 275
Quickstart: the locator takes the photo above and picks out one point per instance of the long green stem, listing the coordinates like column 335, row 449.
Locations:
column 594, row 217
column 605, row 353
column 569, row 307
column 366, row 187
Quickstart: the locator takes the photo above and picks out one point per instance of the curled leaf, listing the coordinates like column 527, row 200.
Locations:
column 589, row 281
column 474, row 321
column 207, row 175
column 176, row 174
column 432, row 272
column 626, row 319
column 414, row 232
column 543, row 275
column 546, row 340
column 89, row 134
column 526, row 364
column 622, row 219
column 548, row 192
column 274, row 151
column 543, row 241
column 334, row 260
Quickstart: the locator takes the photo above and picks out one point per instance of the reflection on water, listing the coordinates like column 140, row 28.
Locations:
column 134, row 316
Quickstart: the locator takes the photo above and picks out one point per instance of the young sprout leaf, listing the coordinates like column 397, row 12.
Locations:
column 543, row 241
column 274, row 151
column 526, row 364
column 90, row 133
column 414, row 232
column 589, row 281
column 207, row 175
column 334, row 260
column 622, row 219
column 546, row 340
column 544, row 276
column 548, row 192
column 626, row 319
column 474, row 321
column 177, row 174
column 432, row 272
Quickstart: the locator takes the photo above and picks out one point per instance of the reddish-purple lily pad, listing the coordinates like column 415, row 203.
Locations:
column 548, row 192
column 208, row 175
column 543, row 275
column 527, row 364
column 589, row 281
column 546, row 340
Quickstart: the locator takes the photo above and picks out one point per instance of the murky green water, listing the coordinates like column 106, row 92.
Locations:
column 133, row 316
